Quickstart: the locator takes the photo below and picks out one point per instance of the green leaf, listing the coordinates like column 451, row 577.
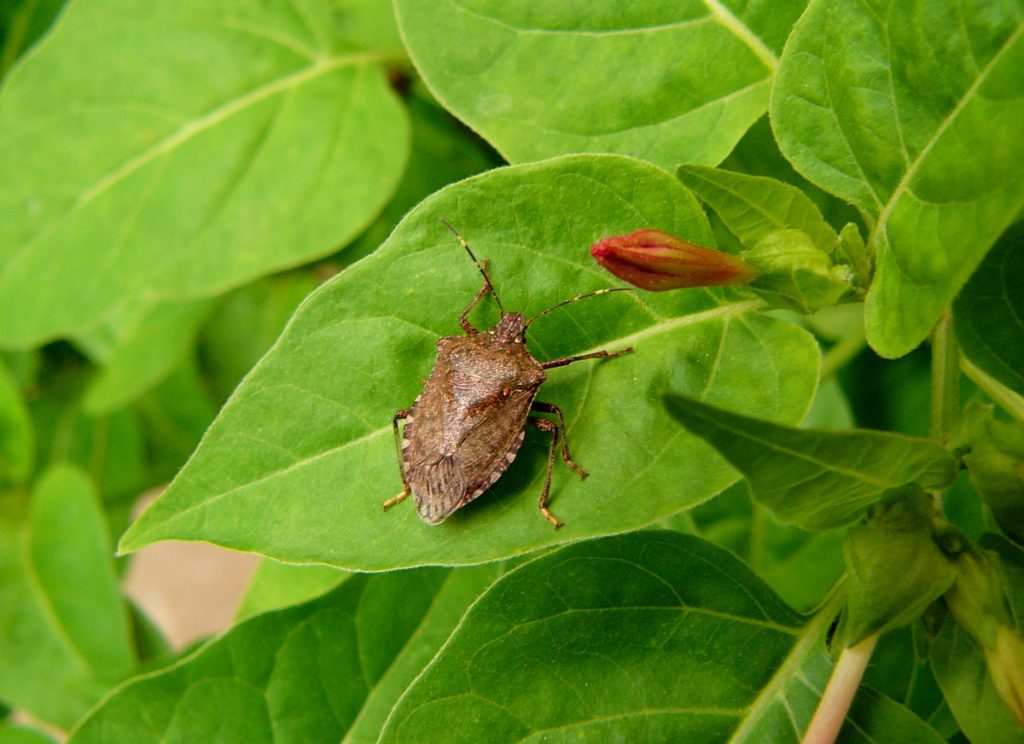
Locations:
column 320, row 672
column 959, row 667
column 19, row 735
column 800, row 566
column 875, row 718
column 300, row 459
column 246, row 324
column 912, row 112
column 441, row 154
column 753, row 207
column 141, row 176
column 795, row 273
column 145, row 353
column 667, row 82
column 995, row 463
column 651, row 636
column 64, row 634
column 275, row 585
column 21, row 24
column 815, row 479
column 17, row 443
column 173, row 417
column 989, row 313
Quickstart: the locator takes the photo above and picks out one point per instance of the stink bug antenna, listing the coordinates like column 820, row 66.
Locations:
column 480, row 265
column 584, row 296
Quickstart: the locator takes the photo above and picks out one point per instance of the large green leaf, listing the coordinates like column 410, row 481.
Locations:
column 912, row 112
column 136, row 358
column 64, row 634
column 670, row 82
column 815, row 479
column 173, row 149
column 301, row 457
column 651, row 636
column 989, row 313
column 320, row 672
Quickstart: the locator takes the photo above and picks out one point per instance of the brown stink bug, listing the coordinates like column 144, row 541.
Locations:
column 465, row 428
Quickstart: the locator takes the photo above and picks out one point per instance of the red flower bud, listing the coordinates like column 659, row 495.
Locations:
column 656, row 261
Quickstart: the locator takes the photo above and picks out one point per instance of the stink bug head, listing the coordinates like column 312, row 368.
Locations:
column 511, row 329
column 466, row 427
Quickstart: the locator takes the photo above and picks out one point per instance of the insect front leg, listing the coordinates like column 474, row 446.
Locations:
column 604, row 354
column 463, row 318
column 403, row 414
column 553, row 428
column 566, row 457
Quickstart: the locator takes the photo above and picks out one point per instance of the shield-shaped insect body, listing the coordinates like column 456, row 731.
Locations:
column 466, row 427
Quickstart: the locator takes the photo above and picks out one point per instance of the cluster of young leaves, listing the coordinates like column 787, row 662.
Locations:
column 170, row 216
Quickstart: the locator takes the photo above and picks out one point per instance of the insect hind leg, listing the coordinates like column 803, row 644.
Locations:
column 404, row 493
column 553, row 428
column 560, row 433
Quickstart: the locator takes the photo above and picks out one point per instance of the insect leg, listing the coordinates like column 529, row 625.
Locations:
column 561, row 362
column 549, row 426
column 403, row 414
column 566, row 457
column 463, row 319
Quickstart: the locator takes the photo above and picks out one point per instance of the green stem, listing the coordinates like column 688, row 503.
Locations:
column 842, row 685
column 841, row 352
column 945, row 380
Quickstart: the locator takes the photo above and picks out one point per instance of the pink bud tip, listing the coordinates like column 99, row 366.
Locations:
column 656, row 261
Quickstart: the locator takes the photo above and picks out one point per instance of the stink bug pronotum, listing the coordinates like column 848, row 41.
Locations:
column 465, row 428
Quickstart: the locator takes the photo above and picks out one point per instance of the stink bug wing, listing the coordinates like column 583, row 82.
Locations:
column 492, row 444
column 441, row 485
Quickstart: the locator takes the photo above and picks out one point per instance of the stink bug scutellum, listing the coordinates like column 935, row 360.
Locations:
column 465, row 428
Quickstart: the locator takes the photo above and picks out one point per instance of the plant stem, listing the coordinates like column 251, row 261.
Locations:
column 945, row 380
column 835, row 702
column 842, row 352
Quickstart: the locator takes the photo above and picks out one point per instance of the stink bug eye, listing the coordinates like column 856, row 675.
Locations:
column 465, row 428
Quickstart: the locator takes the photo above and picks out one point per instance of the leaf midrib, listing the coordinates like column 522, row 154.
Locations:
column 193, row 128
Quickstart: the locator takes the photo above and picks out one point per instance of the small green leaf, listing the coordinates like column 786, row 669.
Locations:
column 989, row 313
column 651, row 636
column 752, row 207
column 874, row 718
column 912, row 112
column 995, row 463
column 17, row 442
column 795, row 272
column 275, row 585
column 320, row 672
column 142, row 175
column 667, row 82
column 302, row 456
column 815, row 479
column 64, row 634
column 144, row 354
column 959, row 667
column 894, row 566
